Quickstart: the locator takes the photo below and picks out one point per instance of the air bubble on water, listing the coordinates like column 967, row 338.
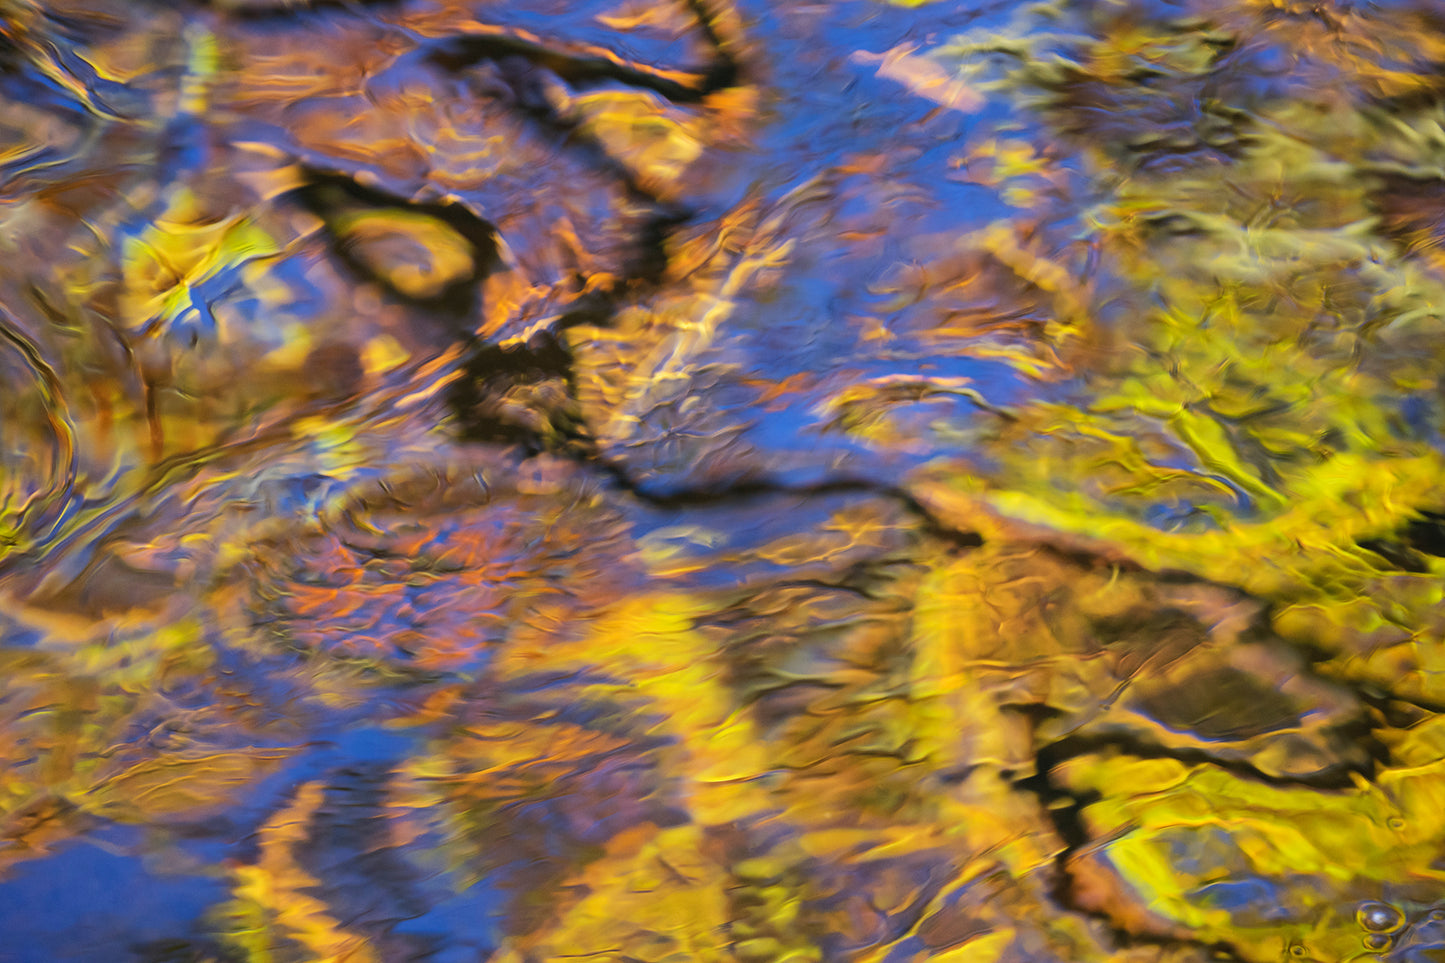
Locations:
column 1377, row 942
column 1379, row 917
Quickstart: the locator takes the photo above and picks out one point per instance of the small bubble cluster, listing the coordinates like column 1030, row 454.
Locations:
column 1379, row 918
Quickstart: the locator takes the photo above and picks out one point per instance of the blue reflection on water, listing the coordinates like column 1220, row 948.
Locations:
column 99, row 899
column 90, row 903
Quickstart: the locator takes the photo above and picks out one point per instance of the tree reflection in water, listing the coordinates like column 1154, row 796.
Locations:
column 681, row 480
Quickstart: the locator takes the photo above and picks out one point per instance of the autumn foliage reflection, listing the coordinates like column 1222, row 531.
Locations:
column 683, row 480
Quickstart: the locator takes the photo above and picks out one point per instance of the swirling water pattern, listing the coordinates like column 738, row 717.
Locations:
column 684, row 480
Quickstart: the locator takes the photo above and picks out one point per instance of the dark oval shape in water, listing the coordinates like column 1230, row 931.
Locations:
column 1379, row 917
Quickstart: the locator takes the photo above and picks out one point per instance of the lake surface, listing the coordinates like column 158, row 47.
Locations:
column 663, row 481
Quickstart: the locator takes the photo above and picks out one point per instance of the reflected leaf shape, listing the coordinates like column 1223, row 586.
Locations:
column 176, row 269
column 418, row 256
column 925, row 77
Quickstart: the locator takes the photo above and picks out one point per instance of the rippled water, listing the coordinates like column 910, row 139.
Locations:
column 655, row 481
